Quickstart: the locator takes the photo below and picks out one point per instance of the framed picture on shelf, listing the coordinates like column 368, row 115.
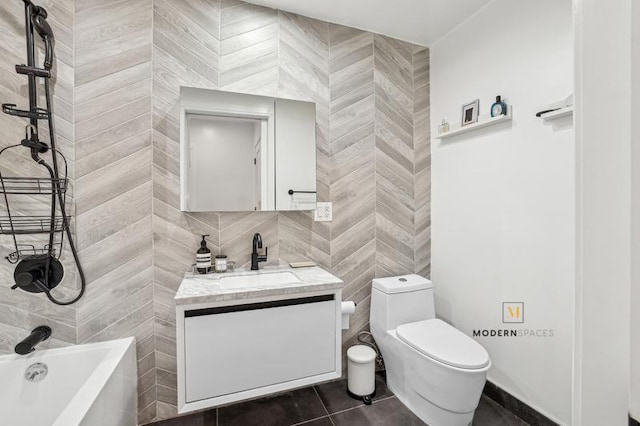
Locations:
column 470, row 112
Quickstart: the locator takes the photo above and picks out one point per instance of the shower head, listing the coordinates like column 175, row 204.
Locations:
column 36, row 9
column 39, row 20
column 40, row 11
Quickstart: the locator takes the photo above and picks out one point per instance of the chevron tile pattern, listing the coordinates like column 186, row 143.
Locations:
column 363, row 87
column 186, row 51
column 248, row 64
column 394, row 156
column 113, row 179
column 352, row 172
column 21, row 312
column 422, row 162
column 249, row 48
column 304, row 74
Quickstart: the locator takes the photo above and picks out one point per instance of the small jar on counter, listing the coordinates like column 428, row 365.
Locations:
column 221, row 263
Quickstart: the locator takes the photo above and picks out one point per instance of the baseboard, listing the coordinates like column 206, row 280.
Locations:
column 633, row 422
column 517, row 407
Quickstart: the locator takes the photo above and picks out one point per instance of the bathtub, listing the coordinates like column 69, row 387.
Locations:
column 89, row 385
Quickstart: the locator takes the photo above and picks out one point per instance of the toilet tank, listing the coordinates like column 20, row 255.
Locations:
column 399, row 300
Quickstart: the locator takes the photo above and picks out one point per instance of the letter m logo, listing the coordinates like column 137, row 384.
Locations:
column 512, row 312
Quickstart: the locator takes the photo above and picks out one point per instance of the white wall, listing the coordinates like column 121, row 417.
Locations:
column 603, row 206
column 635, row 218
column 503, row 197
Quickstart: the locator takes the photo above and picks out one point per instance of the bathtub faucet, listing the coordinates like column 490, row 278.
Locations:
column 28, row 345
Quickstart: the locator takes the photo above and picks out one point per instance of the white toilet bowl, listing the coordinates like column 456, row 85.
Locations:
column 437, row 371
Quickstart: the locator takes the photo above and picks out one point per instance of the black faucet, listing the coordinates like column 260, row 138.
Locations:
column 255, row 257
column 38, row 335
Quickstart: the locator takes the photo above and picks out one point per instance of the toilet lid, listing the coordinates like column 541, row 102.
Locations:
column 442, row 342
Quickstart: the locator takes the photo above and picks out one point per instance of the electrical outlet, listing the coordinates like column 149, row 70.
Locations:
column 324, row 212
column 328, row 211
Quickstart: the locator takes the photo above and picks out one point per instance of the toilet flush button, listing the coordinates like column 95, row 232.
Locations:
column 401, row 284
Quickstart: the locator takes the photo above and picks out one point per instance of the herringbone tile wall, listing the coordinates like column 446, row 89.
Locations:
column 102, row 104
column 20, row 312
column 352, row 173
column 113, row 178
column 124, row 62
column 421, row 162
column 186, row 51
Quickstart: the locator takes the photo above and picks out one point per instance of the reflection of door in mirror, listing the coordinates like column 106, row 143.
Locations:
column 257, row 172
column 242, row 152
column 228, row 182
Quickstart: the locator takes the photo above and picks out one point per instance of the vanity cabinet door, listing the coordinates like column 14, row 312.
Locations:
column 236, row 348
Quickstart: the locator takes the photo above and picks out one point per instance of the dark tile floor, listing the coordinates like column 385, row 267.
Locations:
column 329, row 405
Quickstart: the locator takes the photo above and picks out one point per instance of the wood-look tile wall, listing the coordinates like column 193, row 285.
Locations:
column 131, row 57
column 372, row 100
column 113, row 178
column 102, row 104
column 20, row 312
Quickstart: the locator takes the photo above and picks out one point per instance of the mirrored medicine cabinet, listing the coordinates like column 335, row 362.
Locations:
column 241, row 152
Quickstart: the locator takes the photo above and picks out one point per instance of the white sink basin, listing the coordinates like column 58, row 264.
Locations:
column 261, row 279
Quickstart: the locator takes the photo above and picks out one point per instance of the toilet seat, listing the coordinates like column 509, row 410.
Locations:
column 444, row 343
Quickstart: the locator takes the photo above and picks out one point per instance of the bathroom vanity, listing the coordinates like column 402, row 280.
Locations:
column 247, row 333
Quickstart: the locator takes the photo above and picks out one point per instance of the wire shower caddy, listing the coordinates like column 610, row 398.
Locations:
column 38, row 268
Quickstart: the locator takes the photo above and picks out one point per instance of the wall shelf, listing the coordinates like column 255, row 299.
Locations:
column 562, row 112
column 482, row 122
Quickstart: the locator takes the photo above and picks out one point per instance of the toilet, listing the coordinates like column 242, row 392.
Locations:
column 437, row 371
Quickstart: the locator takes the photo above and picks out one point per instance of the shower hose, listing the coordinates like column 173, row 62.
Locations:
column 55, row 176
column 36, row 18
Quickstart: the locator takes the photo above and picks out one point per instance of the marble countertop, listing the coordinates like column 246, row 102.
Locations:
column 214, row 287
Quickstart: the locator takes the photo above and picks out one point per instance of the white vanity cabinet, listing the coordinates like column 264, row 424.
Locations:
column 260, row 342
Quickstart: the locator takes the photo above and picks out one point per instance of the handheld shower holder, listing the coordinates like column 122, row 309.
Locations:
column 38, row 270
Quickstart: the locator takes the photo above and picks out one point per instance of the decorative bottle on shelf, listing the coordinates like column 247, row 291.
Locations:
column 444, row 127
column 498, row 107
column 203, row 257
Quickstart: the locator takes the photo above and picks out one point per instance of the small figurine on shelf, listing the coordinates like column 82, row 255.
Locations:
column 444, row 127
column 498, row 107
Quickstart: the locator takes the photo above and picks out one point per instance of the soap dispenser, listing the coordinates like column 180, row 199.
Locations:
column 203, row 257
column 498, row 107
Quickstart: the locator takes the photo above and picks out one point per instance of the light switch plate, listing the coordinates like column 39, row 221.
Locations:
column 324, row 212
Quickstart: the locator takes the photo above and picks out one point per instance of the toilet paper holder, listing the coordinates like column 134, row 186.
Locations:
column 348, row 307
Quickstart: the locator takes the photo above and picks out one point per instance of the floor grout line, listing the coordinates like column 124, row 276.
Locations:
column 321, row 401
column 346, row 409
column 382, row 399
column 362, row 405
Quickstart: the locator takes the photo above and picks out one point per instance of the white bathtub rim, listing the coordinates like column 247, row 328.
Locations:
column 84, row 398
column 37, row 354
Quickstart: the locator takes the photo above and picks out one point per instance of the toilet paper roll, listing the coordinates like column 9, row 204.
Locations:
column 348, row 308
